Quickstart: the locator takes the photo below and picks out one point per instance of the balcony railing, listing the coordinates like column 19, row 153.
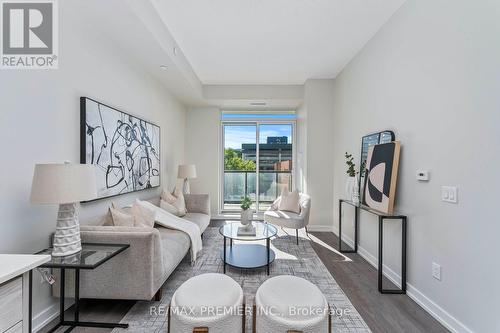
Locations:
column 238, row 184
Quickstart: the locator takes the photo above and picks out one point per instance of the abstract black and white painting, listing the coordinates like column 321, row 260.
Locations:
column 381, row 176
column 366, row 142
column 124, row 148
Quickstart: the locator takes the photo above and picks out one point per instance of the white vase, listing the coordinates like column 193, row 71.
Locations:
column 349, row 187
column 246, row 217
column 355, row 191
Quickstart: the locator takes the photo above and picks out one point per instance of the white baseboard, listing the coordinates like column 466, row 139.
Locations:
column 221, row 217
column 235, row 217
column 50, row 313
column 440, row 314
column 320, row 228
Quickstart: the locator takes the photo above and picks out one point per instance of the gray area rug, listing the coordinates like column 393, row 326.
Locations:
column 291, row 259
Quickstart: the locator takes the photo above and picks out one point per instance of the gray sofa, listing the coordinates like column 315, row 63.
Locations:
column 139, row 272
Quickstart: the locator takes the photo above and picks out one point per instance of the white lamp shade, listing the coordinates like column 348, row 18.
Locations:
column 186, row 171
column 63, row 183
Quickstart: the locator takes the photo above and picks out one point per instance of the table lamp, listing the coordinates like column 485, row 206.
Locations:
column 186, row 171
column 65, row 185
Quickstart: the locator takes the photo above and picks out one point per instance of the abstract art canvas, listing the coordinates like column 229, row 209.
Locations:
column 381, row 176
column 366, row 142
column 124, row 148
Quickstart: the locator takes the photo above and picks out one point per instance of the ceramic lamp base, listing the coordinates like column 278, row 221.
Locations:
column 67, row 237
column 186, row 188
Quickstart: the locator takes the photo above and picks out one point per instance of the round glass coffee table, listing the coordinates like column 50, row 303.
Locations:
column 248, row 255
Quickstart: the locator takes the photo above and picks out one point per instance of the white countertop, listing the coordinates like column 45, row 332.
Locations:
column 12, row 265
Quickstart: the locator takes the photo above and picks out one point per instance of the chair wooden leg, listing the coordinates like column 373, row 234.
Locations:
column 307, row 232
column 297, row 235
column 200, row 330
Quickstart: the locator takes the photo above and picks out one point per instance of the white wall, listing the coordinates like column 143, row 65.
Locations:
column 301, row 128
column 432, row 74
column 202, row 149
column 314, row 169
column 41, row 124
column 318, row 105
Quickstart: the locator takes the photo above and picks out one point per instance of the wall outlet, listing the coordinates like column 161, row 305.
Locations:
column 449, row 194
column 423, row 175
column 436, row 271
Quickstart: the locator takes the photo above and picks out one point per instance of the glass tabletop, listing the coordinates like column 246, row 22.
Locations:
column 371, row 210
column 91, row 256
column 262, row 231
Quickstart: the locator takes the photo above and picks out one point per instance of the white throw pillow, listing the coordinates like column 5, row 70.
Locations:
column 169, row 208
column 174, row 204
column 290, row 201
column 121, row 218
column 144, row 215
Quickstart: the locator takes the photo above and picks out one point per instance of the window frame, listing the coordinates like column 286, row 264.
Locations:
column 255, row 122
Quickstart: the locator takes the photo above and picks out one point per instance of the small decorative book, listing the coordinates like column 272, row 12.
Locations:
column 246, row 231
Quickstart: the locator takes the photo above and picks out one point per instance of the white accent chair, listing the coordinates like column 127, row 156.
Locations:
column 288, row 303
column 207, row 303
column 287, row 219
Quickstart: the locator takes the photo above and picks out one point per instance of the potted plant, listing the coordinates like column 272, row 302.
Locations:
column 352, row 190
column 246, row 212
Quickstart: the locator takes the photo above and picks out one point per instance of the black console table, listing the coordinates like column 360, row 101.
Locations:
column 381, row 217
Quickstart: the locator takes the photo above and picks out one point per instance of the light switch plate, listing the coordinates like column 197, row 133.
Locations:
column 449, row 194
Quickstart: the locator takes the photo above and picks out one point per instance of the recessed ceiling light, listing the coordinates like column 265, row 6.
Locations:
column 164, row 67
column 258, row 103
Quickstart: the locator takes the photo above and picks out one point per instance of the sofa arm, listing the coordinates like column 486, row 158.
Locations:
column 198, row 203
column 136, row 273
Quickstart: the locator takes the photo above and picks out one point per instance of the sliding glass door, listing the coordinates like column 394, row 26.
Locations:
column 239, row 178
column 258, row 162
column 275, row 162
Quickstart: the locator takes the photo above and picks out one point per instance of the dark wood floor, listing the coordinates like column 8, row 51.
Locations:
column 358, row 279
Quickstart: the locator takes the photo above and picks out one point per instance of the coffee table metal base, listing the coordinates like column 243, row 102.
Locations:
column 247, row 256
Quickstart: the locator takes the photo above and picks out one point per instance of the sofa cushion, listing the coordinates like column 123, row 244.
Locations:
column 144, row 215
column 284, row 219
column 174, row 244
column 121, row 218
column 175, row 208
column 201, row 220
column 176, row 201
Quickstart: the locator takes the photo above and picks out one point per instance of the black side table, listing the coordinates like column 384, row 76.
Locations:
column 381, row 217
column 92, row 256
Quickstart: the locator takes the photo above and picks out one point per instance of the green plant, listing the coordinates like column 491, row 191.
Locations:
column 234, row 161
column 246, row 203
column 362, row 170
column 351, row 166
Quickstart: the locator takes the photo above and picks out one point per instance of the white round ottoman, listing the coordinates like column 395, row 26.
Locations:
column 207, row 303
column 289, row 303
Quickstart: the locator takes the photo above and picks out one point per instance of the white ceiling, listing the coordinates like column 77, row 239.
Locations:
column 272, row 41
